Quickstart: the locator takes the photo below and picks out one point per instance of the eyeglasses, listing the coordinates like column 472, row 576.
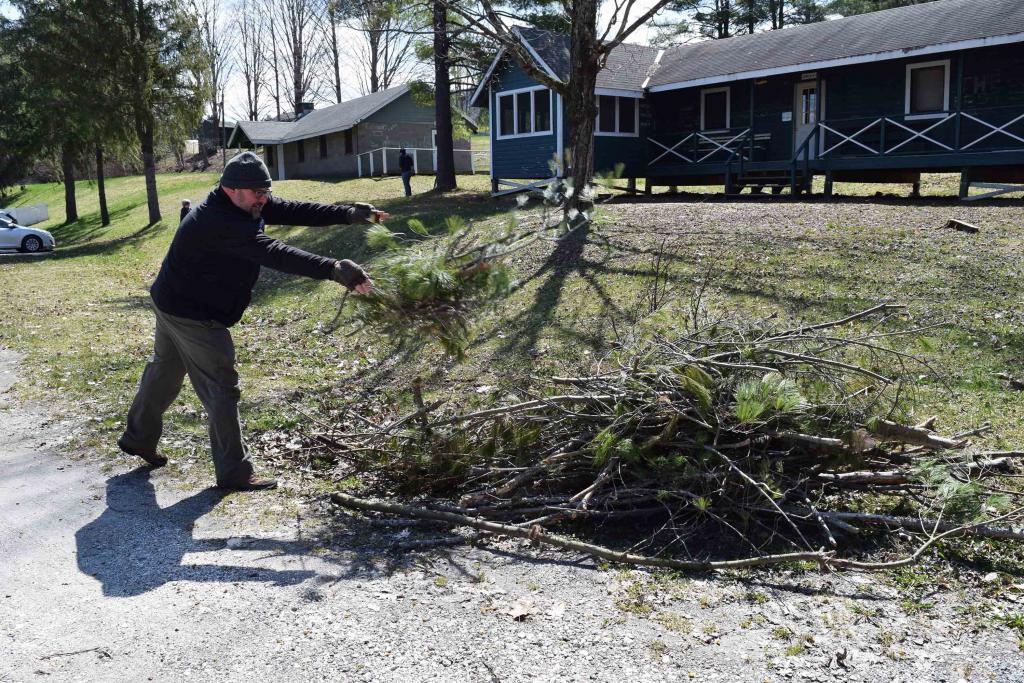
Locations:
column 261, row 194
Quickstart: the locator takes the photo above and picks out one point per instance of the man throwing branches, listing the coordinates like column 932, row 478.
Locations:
column 204, row 286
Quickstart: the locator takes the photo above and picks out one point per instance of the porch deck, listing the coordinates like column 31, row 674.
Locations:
column 987, row 144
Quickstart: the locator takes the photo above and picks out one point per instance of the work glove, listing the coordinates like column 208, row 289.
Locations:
column 361, row 214
column 349, row 273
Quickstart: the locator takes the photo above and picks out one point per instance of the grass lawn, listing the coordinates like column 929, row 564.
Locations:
column 81, row 316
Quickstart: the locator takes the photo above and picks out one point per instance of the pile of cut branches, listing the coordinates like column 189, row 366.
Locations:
column 784, row 443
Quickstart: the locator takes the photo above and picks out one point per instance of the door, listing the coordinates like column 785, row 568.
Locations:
column 8, row 240
column 805, row 115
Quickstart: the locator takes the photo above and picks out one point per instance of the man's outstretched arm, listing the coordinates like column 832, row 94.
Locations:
column 288, row 212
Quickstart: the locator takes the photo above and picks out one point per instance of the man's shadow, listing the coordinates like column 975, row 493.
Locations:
column 136, row 546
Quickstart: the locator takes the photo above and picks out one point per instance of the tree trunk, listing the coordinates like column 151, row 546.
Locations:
column 149, row 168
column 67, row 164
column 444, row 181
column 374, row 42
column 101, row 187
column 751, row 16
column 581, row 106
column 336, row 59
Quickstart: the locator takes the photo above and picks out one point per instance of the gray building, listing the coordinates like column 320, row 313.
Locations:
column 360, row 137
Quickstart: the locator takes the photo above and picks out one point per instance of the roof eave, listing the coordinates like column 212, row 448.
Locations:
column 845, row 61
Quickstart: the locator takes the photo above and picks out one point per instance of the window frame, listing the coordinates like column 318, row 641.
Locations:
column 300, row 148
column 907, row 115
column 618, row 112
column 349, row 142
column 269, row 154
column 323, row 146
column 728, row 109
column 501, row 135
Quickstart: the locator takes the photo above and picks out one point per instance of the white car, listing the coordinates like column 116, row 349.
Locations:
column 30, row 240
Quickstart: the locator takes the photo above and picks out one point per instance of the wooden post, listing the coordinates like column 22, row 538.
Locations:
column 631, row 185
column 915, row 189
column 673, row 189
column 494, row 185
column 647, row 186
column 965, row 182
column 828, row 183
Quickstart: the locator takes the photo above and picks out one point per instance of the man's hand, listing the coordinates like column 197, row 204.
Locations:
column 352, row 276
column 362, row 213
column 380, row 216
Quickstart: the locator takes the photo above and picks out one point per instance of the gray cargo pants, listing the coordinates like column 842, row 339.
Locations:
column 204, row 350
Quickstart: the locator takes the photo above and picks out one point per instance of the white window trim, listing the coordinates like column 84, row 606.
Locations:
column 728, row 109
column 945, row 91
column 618, row 133
column 515, row 112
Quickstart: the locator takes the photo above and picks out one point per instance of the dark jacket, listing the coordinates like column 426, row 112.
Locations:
column 183, row 213
column 405, row 162
column 215, row 256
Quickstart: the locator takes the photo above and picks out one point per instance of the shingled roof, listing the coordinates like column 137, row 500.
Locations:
column 889, row 34
column 627, row 67
column 331, row 119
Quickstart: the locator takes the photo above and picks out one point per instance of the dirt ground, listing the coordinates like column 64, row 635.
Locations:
column 114, row 572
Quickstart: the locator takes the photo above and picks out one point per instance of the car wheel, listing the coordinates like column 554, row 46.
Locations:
column 31, row 244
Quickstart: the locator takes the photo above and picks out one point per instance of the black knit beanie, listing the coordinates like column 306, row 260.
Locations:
column 246, row 170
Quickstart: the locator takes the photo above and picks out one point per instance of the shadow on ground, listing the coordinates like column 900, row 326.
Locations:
column 136, row 546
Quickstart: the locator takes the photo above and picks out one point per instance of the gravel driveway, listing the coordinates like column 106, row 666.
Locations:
column 112, row 572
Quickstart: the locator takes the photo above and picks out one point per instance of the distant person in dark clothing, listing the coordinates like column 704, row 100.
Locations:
column 405, row 165
column 186, row 206
column 204, row 287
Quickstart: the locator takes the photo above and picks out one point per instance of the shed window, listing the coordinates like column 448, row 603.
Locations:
column 927, row 88
column 524, row 112
column 270, row 155
column 301, row 145
column 714, row 109
column 323, row 146
column 617, row 115
column 541, row 110
column 348, row 141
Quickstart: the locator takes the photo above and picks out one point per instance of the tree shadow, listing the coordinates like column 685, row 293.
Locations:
column 143, row 234
column 86, row 228
column 136, row 546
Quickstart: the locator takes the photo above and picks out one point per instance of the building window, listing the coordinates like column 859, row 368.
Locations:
column 524, row 112
column 617, row 115
column 348, row 141
column 270, row 155
column 927, row 89
column 714, row 109
column 323, row 146
column 301, row 144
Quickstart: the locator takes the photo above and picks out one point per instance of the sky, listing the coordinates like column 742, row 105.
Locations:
column 235, row 95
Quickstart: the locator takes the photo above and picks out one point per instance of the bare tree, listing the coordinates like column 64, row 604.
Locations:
column 588, row 52
column 296, row 30
column 251, row 56
column 388, row 30
column 328, row 19
column 217, row 42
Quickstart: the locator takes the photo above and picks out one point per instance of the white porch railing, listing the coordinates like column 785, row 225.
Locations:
column 981, row 130
column 375, row 161
column 700, row 146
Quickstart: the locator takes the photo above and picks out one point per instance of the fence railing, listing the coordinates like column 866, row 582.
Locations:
column 375, row 162
column 971, row 131
column 696, row 147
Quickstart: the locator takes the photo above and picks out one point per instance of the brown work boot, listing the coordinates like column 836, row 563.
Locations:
column 253, row 483
column 152, row 459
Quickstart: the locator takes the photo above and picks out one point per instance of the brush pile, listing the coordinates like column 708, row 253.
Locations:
column 763, row 438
